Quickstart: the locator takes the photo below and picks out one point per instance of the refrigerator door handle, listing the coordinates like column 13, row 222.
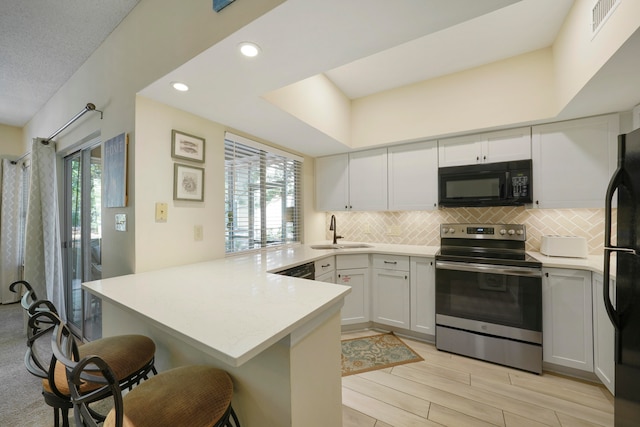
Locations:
column 625, row 250
column 615, row 182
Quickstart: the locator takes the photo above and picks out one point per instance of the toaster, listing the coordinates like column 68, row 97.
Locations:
column 564, row 246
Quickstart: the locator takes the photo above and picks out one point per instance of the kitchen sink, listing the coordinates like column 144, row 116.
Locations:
column 342, row 246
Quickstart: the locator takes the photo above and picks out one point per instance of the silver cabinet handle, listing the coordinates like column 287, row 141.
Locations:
column 490, row 269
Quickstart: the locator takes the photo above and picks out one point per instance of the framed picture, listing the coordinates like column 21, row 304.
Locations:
column 188, row 183
column 115, row 171
column 218, row 5
column 187, row 147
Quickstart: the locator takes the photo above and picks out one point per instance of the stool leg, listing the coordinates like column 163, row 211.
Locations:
column 235, row 419
column 56, row 418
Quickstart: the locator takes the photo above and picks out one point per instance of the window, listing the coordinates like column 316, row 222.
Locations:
column 263, row 201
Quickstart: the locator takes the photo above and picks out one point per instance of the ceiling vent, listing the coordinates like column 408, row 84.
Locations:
column 601, row 11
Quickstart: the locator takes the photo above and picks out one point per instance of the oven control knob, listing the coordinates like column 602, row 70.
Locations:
column 452, row 230
column 511, row 232
column 503, row 231
column 520, row 232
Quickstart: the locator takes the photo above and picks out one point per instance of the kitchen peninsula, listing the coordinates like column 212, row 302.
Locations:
column 277, row 336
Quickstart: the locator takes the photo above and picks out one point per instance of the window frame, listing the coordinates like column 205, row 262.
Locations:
column 246, row 164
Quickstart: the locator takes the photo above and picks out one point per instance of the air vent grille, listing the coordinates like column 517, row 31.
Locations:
column 600, row 12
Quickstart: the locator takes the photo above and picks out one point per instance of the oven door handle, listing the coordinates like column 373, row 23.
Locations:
column 489, row 268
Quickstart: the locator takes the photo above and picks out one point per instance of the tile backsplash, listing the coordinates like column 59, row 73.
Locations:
column 422, row 227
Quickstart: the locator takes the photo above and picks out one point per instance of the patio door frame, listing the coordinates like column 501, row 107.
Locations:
column 80, row 152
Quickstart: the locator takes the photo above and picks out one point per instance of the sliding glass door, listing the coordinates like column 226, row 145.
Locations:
column 83, row 238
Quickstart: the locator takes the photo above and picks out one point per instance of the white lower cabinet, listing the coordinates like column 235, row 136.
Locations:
column 353, row 271
column 391, row 293
column 567, row 314
column 329, row 277
column 603, row 335
column 423, row 295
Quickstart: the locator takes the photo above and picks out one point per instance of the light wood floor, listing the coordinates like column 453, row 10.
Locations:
column 452, row 390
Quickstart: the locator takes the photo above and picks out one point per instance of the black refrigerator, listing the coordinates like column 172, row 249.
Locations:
column 625, row 311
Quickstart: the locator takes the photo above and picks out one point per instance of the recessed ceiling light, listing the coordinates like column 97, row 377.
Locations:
column 249, row 49
column 179, row 86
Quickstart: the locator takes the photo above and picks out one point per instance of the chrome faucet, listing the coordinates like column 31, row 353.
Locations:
column 332, row 227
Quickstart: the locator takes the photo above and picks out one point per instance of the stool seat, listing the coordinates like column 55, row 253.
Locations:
column 191, row 396
column 127, row 355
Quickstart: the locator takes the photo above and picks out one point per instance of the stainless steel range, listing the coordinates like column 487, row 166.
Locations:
column 489, row 295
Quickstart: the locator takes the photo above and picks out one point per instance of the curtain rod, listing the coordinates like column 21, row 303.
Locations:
column 88, row 107
column 15, row 162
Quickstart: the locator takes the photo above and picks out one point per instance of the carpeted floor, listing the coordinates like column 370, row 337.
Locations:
column 375, row 352
column 21, row 402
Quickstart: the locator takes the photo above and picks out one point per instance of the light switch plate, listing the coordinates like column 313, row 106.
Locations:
column 197, row 233
column 121, row 222
column 161, row 212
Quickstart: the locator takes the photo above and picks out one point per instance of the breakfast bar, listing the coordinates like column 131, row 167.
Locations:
column 277, row 336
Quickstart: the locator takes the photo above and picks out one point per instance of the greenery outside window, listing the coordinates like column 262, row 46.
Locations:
column 263, row 200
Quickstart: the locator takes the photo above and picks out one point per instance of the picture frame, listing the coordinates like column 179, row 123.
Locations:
column 187, row 147
column 188, row 183
column 115, row 171
column 218, row 5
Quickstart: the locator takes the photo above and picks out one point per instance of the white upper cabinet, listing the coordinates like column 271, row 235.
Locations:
column 491, row 147
column 413, row 176
column 573, row 162
column 368, row 180
column 332, row 183
column 356, row 181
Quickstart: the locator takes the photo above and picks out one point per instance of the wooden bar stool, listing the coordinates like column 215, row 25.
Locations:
column 131, row 356
column 193, row 396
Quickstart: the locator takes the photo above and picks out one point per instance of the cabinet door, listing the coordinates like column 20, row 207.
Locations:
column 503, row 146
column 391, row 298
column 603, row 335
column 573, row 162
column 413, row 176
column 423, row 295
column 329, row 277
column 567, row 332
column 368, row 180
column 357, row 302
column 332, row 183
column 462, row 150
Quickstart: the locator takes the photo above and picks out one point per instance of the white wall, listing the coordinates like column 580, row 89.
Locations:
column 155, row 38
column 511, row 91
column 172, row 243
column 11, row 141
column 528, row 88
column 578, row 55
column 319, row 103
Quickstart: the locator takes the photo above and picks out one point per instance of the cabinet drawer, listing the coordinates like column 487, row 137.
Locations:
column 352, row 261
column 325, row 265
column 391, row 262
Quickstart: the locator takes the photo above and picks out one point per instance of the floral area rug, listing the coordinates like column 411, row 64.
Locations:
column 375, row 352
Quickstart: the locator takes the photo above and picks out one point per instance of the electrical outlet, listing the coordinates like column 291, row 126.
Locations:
column 394, row 230
column 367, row 228
column 197, row 233
column 161, row 212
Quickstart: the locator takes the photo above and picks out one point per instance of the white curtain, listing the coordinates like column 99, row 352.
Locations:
column 43, row 253
column 10, row 230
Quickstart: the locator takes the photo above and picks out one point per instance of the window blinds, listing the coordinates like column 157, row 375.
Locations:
column 263, row 201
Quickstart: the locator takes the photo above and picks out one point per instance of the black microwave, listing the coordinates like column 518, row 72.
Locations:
column 487, row 184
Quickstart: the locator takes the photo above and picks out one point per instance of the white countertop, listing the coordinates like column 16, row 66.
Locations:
column 594, row 263
column 236, row 309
